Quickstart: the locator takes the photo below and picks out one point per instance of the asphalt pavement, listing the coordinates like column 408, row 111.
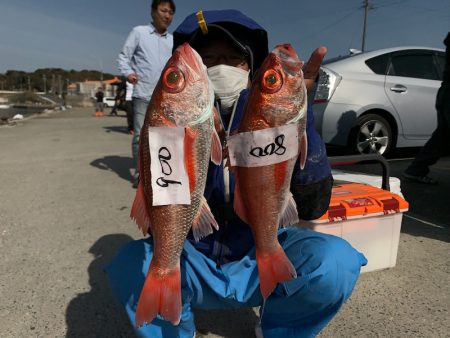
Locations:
column 65, row 197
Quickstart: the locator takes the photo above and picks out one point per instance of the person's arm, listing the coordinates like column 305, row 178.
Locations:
column 125, row 56
column 311, row 187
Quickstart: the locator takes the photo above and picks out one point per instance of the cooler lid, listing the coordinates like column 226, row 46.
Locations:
column 353, row 200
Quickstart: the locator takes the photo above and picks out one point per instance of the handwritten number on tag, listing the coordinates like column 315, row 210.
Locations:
column 162, row 182
column 164, row 156
column 274, row 148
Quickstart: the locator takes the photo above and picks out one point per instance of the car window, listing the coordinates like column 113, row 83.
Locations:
column 441, row 63
column 378, row 64
column 419, row 66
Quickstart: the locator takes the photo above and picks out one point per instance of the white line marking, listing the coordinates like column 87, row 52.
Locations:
column 425, row 222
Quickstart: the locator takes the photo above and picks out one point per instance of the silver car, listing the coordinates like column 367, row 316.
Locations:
column 377, row 101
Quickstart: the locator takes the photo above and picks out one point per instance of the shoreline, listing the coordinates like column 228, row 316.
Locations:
column 8, row 119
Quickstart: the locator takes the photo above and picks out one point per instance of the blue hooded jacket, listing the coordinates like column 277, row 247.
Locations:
column 311, row 187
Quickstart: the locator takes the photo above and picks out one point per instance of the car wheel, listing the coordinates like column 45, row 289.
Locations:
column 372, row 134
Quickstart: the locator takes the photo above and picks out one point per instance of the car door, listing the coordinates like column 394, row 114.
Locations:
column 411, row 84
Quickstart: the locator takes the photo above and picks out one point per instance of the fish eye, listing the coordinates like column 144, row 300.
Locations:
column 271, row 81
column 173, row 80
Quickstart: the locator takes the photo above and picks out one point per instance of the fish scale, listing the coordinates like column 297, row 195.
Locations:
column 262, row 193
column 182, row 98
column 177, row 219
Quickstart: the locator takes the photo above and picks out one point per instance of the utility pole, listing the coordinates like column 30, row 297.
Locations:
column 101, row 74
column 366, row 10
column 59, row 85
column 44, row 78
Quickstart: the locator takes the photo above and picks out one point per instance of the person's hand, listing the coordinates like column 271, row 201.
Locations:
column 132, row 78
column 311, row 68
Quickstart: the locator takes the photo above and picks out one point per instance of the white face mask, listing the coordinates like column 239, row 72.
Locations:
column 227, row 83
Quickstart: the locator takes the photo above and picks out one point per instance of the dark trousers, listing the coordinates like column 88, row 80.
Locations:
column 129, row 110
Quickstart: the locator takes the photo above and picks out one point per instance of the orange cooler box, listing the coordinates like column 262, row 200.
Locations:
column 369, row 218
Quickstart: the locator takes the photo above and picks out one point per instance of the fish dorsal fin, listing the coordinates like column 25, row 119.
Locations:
column 238, row 203
column 303, row 150
column 289, row 216
column 216, row 148
column 204, row 222
column 139, row 212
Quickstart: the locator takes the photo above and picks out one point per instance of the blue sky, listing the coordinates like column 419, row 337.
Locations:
column 88, row 34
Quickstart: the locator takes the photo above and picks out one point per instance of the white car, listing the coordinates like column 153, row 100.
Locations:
column 376, row 101
column 109, row 101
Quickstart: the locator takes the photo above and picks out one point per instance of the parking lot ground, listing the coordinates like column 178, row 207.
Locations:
column 64, row 211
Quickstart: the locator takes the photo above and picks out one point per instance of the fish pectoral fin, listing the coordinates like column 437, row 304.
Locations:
column 160, row 295
column 273, row 268
column 216, row 148
column 204, row 223
column 139, row 210
column 238, row 203
column 303, row 150
column 289, row 216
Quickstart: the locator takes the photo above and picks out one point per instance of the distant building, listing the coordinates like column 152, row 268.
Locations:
column 90, row 87
column 72, row 89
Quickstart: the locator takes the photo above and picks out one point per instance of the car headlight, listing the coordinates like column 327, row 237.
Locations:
column 326, row 85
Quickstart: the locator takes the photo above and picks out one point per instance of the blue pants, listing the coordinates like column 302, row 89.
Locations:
column 139, row 109
column 327, row 267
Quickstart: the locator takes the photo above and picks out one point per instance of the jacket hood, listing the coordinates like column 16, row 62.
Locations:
column 243, row 31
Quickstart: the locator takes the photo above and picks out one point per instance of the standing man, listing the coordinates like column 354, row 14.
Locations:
column 141, row 61
column 438, row 144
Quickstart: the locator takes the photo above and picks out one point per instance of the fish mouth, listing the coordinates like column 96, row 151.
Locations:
column 288, row 58
column 191, row 59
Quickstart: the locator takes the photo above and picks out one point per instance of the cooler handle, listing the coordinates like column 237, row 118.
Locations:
column 354, row 159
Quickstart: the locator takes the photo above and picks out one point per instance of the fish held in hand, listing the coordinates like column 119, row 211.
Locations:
column 181, row 107
column 270, row 140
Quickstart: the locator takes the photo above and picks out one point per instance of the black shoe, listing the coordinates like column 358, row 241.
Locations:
column 135, row 181
column 421, row 179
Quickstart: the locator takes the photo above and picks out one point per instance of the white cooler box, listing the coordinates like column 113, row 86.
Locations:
column 367, row 216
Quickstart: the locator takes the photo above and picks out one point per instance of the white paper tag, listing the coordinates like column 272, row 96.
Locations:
column 263, row 147
column 170, row 182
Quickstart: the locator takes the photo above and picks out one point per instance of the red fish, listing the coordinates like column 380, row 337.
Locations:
column 262, row 199
column 182, row 99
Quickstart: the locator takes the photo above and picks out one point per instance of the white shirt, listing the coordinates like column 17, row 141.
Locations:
column 129, row 91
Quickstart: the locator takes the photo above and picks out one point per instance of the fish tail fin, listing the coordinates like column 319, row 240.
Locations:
column 274, row 268
column 160, row 295
column 139, row 210
column 204, row 222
